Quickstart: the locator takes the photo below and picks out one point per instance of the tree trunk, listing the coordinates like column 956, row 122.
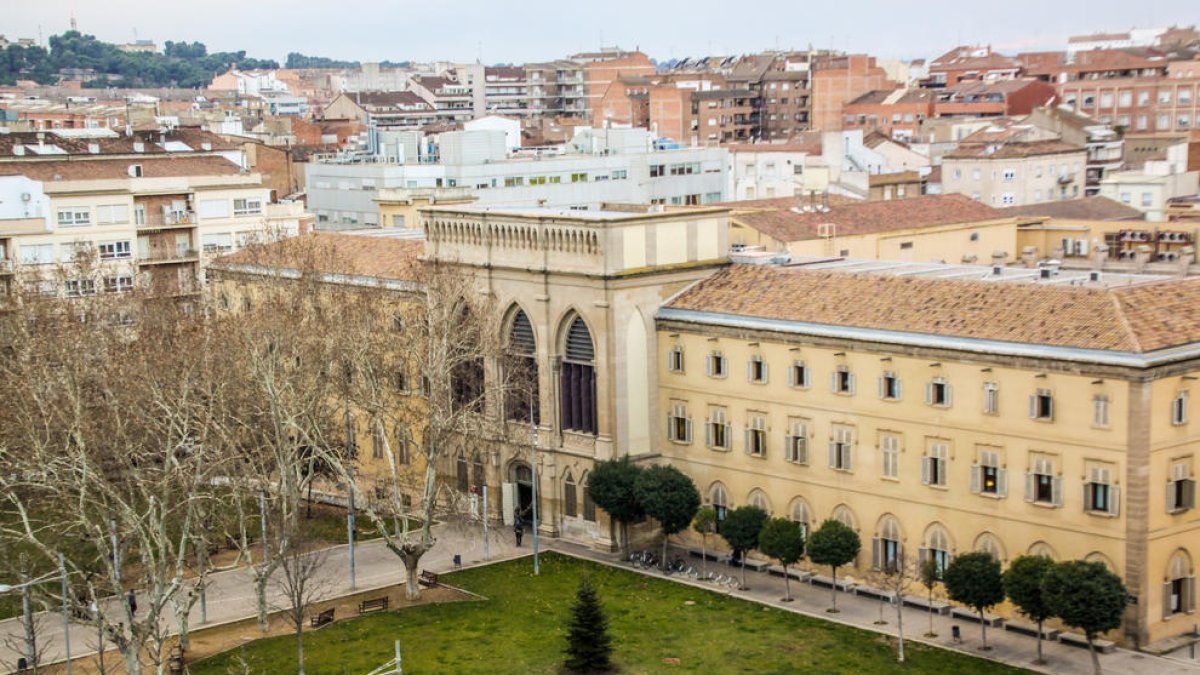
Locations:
column 1039, row 660
column 931, row 632
column 412, row 589
column 704, row 553
column 1095, row 656
column 743, row 572
column 665, row 567
column 787, row 585
column 983, row 626
column 260, row 598
column 300, row 647
column 132, row 653
column 900, row 626
column 833, row 590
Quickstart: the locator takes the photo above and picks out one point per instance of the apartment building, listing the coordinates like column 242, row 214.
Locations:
column 403, row 109
column 557, row 88
column 836, row 80
column 115, row 224
column 770, row 170
column 601, row 166
column 1011, row 164
column 1006, row 416
column 601, row 69
column 1105, row 146
column 971, row 64
column 1141, row 95
column 898, row 113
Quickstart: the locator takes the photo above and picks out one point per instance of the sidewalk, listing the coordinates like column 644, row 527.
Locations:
column 1007, row 647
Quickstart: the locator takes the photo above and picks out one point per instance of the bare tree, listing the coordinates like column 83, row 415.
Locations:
column 301, row 585
column 897, row 577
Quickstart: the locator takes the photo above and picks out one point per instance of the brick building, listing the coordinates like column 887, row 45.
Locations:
column 839, row 79
column 967, row 64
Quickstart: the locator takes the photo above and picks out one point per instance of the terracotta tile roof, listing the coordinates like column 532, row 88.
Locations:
column 335, row 253
column 388, row 101
column 1140, row 318
column 783, row 224
column 1012, row 150
column 102, row 169
column 1084, row 208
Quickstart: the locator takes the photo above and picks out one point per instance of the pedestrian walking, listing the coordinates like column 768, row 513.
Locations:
column 518, row 527
column 132, row 603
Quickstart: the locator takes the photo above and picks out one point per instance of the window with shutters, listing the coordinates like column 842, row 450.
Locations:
column 845, row 516
column 756, row 434
column 886, row 553
column 842, row 381
column 889, row 455
column 799, row 375
column 718, row 499
column 987, row 476
column 675, row 359
column 1179, row 591
column 1042, row 484
column 991, row 398
column 1100, row 411
column 402, row 447
column 1181, row 489
column 841, row 448
column 1179, row 408
column 889, row 386
column 377, row 442
column 800, row 514
column 756, row 370
column 937, row 393
column 521, row 400
column 988, row 544
column 679, row 424
column 589, row 507
column 715, row 364
column 578, row 398
column 758, row 499
column 935, row 463
column 1041, row 405
column 570, row 498
column 937, row 547
column 795, row 443
column 716, row 430
column 1100, row 495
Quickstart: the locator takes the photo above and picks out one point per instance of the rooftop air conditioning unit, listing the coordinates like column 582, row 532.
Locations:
column 1094, row 276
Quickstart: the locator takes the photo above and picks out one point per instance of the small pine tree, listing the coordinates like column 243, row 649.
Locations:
column 589, row 646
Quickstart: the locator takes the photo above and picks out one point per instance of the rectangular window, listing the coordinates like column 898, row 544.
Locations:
column 1009, row 175
column 1181, row 490
column 716, row 430
column 76, row 216
column 110, row 250
column 675, row 359
column 715, row 364
column 796, row 441
column 37, row 254
column 112, row 214
column 991, row 398
column 1041, row 405
column 1099, row 493
column 798, row 375
column 987, row 477
column 247, row 207
column 570, row 499
column 1100, row 410
column 118, row 284
column 1179, row 408
column 1042, row 485
column 579, row 178
column 843, row 381
column 76, row 251
column 217, row 243
column 890, row 387
column 756, row 370
column 938, row 393
column 657, row 170
column 679, row 425
column 756, row 435
column 889, row 453
column 841, row 448
column 79, row 287
column 935, row 463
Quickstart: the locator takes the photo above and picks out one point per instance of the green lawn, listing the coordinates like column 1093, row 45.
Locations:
column 520, row 629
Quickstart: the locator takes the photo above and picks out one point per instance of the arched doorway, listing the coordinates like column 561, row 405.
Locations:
column 519, row 493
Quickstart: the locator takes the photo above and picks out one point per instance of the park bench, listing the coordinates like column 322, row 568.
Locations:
column 428, row 578
column 372, row 605
column 939, row 608
column 1031, row 629
column 971, row 615
column 323, row 618
column 1076, row 640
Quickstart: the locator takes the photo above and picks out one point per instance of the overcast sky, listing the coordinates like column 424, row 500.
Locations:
column 498, row 31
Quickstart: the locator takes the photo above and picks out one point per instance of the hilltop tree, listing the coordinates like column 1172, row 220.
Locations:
column 783, row 540
column 974, row 580
column 741, row 529
column 668, row 496
column 836, row 545
column 1087, row 596
column 1023, row 581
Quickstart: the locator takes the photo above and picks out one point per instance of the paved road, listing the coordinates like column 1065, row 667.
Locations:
column 231, row 598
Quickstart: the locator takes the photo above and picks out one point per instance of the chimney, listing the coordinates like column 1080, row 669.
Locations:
column 139, row 146
column 999, row 258
column 18, row 150
column 1141, row 257
column 1187, row 256
column 94, row 148
column 1029, row 256
column 1099, row 256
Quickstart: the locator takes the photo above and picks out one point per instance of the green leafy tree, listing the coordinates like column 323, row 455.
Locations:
column 705, row 523
column 1023, row 586
column 836, row 545
column 929, row 576
column 611, row 486
column 783, row 540
column 741, row 529
column 668, row 496
column 974, row 580
column 1087, row 596
column 589, row 646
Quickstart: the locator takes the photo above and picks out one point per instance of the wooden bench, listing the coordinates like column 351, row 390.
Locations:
column 1076, row 640
column 323, row 618
column 373, row 605
column 939, row 608
column 428, row 578
column 1031, row 630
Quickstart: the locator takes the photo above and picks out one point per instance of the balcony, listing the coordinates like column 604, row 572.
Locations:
column 7, row 267
column 161, row 221
column 169, row 257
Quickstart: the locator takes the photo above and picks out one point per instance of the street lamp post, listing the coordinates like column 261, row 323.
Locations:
column 533, row 437
column 27, row 611
column 66, row 610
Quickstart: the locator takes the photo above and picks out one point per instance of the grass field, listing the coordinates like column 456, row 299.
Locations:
column 520, row 629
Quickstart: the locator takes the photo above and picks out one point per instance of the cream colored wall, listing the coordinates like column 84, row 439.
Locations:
column 952, row 244
column 1032, row 174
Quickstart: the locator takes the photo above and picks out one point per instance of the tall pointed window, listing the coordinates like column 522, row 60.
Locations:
column 579, row 379
column 522, row 393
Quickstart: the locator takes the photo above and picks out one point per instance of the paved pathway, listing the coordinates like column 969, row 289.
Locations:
column 231, row 598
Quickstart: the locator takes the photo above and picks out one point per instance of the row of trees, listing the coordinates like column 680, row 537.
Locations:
column 182, row 64
column 138, row 436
